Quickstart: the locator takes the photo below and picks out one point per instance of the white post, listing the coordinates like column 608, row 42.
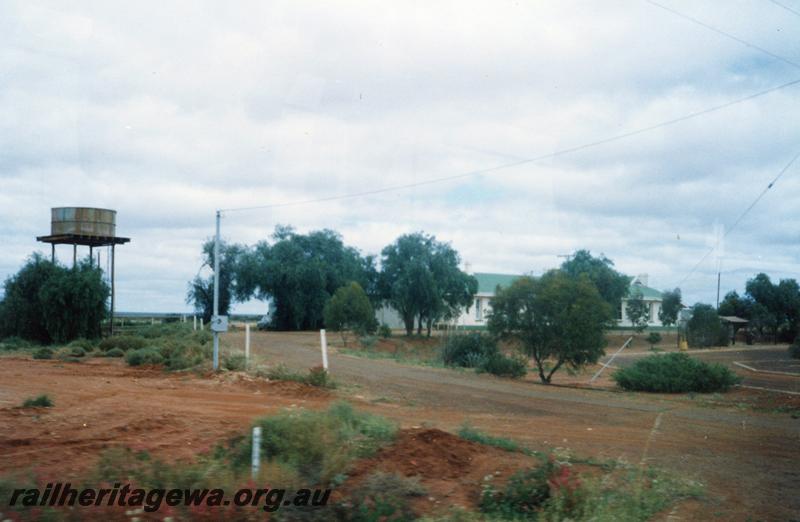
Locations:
column 324, row 343
column 256, row 451
column 201, row 323
column 247, row 342
column 216, row 294
column 194, row 322
column 152, row 321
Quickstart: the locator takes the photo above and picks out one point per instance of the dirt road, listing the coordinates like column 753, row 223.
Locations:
column 749, row 459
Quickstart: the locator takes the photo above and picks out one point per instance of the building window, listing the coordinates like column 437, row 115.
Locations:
column 478, row 310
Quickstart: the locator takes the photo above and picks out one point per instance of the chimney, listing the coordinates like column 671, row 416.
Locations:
column 468, row 267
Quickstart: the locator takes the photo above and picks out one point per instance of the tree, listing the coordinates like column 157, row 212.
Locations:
column 558, row 319
column 638, row 311
column 704, row 328
column 201, row 290
column 612, row 285
column 654, row 338
column 735, row 305
column 779, row 310
column 350, row 310
column 670, row 307
column 47, row 302
column 300, row 273
column 420, row 278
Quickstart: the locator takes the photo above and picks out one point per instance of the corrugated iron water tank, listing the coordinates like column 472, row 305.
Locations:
column 84, row 221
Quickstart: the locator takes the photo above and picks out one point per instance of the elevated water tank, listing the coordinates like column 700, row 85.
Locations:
column 84, row 221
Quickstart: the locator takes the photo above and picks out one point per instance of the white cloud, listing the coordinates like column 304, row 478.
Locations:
column 167, row 111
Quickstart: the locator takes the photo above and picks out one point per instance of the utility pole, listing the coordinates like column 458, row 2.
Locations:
column 216, row 295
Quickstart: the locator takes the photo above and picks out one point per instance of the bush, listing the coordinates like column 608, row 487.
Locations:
column 47, row 302
column 320, row 445
column 77, row 351
column 234, row 362
column 523, row 495
column 794, row 349
column 384, row 331
column 385, row 496
column 654, row 338
column 317, row 376
column 675, row 373
column 115, row 352
column 123, row 342
column 42, row 401
column 43, row 353
column 468, row 351
column 144, row 356
column 504, row 366
column 14, row 343
column 469, row 433
column 705, row 329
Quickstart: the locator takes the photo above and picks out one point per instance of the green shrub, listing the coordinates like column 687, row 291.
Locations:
column 49, row 303
column 384, row 496
column 86, row 344
column 653, row 339
column 523, row 495
column 469, row 433
column 144, row 356
column 705, row 329
column 43, row 353
column 794, row 349
column 42, row 401
column 675, row 373
column 504, row 366
column 234, row 362
column 368, row 341
column 317, row 376
column 468, row 351
column 123, row 342
column 77, row 351
column 320, row 445
column 385, row 331
column 115, row 352
column 14, row 343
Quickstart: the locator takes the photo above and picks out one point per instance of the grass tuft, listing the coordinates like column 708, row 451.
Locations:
column 42, row 401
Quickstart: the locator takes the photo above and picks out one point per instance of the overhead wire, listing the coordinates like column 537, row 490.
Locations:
column 551, row 155
column 740, row 218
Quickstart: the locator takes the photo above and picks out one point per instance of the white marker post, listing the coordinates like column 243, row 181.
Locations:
column 255, row 462
column 194, row 323
column 324, row 343
column 247, row 342
column 201, row 323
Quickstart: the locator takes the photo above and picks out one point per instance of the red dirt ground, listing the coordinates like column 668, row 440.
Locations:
column 450, row 468
column 747, row 457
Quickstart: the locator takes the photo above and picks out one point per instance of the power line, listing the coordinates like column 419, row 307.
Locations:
column 561, row 152
column 741, row 216
column 785, row 7
column 724, row 33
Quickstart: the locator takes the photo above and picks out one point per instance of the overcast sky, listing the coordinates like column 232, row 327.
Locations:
column 166, row 111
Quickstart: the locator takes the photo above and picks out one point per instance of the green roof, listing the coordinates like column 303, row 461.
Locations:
column 487, row 283
column 646, row 291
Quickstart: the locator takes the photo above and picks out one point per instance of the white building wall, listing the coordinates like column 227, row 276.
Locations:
column 654, row 306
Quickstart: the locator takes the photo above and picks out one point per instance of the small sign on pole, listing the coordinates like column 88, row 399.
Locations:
column 324, row 343
column 256, row 452
column 247, row 342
